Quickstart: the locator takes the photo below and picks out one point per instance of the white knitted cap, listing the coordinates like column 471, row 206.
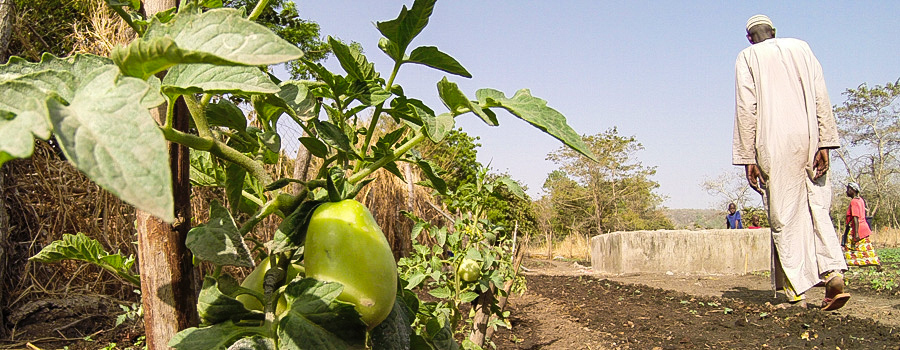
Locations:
column 759, row 19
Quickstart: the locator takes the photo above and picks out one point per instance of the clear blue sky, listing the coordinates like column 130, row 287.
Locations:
column 662, row 71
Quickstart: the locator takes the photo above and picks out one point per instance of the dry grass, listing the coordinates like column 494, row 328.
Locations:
column 573, row 246
column 46, row 197
column 886, row 237
column 103, row 31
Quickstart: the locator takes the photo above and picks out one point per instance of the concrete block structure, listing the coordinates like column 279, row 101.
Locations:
column 682, row 252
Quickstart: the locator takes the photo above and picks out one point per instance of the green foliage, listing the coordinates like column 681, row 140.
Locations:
column 98, row 109
column 615, row 193
column 869, row 126
column 48, row 26
column 434, row 268
column 282, row 18
column 80, row 247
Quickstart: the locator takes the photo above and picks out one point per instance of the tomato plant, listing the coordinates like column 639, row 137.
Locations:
column 97, row 108
column 477, row 252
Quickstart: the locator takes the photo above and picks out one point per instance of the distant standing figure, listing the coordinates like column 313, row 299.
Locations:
column 858, row 251
column 754, row 221
column 783, row 130
column 733, row 218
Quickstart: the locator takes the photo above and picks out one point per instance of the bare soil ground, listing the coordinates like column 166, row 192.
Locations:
column 568, row 307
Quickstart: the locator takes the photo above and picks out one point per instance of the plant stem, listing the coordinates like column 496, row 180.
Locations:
column 198, row 113
column 170, row 114
column 384, row 161
column 377, row 114
column 127, row 19
column 220, row 150
column 258, row 10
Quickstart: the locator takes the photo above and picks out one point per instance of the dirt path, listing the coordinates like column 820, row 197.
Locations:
column 568, row 307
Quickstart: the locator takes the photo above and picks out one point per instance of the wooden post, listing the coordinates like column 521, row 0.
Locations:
column 6, row 23
column 480, row 331
column 169, row 293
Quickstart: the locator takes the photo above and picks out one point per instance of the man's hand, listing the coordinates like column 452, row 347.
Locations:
column 754, row 177
column 820, row 162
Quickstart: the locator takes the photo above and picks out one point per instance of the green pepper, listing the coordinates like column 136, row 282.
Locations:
column 344, row 244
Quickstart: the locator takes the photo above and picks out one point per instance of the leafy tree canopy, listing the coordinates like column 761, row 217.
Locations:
column 615, row 193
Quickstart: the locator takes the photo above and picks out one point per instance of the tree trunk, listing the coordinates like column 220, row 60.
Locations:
column 167, row 274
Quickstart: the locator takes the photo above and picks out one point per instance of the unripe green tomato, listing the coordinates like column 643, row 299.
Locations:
column 344, row 244
column 255, row 281
column 469, row 270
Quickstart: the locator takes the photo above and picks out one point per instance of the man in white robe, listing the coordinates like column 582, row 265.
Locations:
column 783, row 130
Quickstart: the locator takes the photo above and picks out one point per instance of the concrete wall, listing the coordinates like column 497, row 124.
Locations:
column 682, row 252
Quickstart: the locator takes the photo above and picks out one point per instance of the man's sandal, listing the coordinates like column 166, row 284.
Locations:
column 835, row 303
column 835, row 298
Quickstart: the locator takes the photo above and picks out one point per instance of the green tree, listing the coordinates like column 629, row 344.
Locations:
column 615, row 193
column 869, row 124
column 456, row 155
column 281, row 17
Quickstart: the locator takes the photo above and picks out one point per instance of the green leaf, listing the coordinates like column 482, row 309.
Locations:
column 458, row 103
column 440, row 293
column 217, row 336
column 296, row 96
column 434, row 58
column 317, row 320
column 333, row 135
column 536, row 112
column 442, row 336
column 204, row 171
column 467, row 297
column 26, row 86
column 512, row 186
column 224, row 113
column 315, row 147
column 394, row 332
column 215, row 303
column 415, row 279
column 227, row 34
column 354, row 62
column 438, row 127
column 134, row 4
column 25, row 103
column 271, row 140
column 218, row 241
column 219, row 36
column 80, row 247
column 292, row 230
column 431, row 173
column 115, row 142
column 408, row 24
column 234, row 185
column 253, row 343
column 198, row 78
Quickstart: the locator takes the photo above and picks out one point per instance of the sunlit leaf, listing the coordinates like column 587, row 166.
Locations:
column 82, row 248
column 198, row 78
column 133, row 161
column 434, row 58
column 536, row 112
column 218, row 241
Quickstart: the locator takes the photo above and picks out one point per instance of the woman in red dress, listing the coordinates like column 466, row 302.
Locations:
column 858, row 251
